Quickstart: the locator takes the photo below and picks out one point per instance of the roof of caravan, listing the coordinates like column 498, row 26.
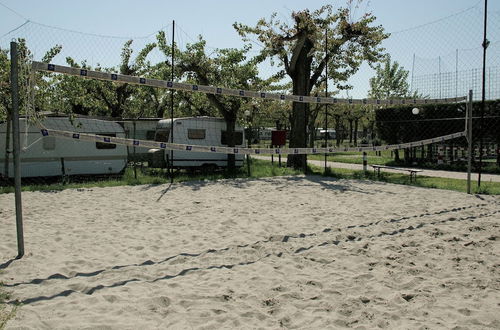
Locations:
column 206, row 119
column 81, row 125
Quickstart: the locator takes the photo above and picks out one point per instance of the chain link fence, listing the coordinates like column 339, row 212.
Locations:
column 443, row 60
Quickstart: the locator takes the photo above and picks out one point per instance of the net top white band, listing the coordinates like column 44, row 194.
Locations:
column 47, row 67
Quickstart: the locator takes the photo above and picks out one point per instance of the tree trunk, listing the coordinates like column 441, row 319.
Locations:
column 312, row 134
column 430, row 152
column 356, row 132
column 338, row 131
column 350, row 132
column 298, row 135
column 300, row 72
column 396, row 155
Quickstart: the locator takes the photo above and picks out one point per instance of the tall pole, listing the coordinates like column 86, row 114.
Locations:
column 412, row 72
column 468, row 128
column 483, row 95
column 14, row 76
column 439, row 68
column 135, row 155
column 456, row 73
column 326, row 95
column 172, row 106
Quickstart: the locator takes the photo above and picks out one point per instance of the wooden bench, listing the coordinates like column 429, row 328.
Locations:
column 413, row 172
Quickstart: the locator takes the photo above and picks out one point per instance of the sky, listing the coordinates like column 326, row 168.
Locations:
column 211, row 19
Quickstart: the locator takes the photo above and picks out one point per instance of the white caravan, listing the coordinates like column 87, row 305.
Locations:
column 205, row 131
column 44, row 156
column 139, row 129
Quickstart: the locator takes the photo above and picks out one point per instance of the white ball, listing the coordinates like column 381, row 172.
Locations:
column 415, row 111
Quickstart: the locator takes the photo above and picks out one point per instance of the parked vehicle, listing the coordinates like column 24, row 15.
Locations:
column 205, row 131
column 139, row 129
column 45, row 156
column 330, row 134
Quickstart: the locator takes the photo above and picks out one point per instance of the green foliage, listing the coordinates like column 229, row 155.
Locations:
column 104, row 98
column 4, row 84
column 26, row 79
column 355, row 158
column 302, row 54
column 390, row 81
column 399, row 125
column 349, row 42
column 228, row 67
column 491, row 188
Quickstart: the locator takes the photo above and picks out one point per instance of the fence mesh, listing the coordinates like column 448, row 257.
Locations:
column 439, row 64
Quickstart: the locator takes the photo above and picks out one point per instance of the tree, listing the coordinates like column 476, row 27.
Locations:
column 300, row 50
column 106, row 98
column 390, row 81
column 228, row 67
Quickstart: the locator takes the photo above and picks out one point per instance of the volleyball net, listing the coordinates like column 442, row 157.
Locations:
column 406, row 131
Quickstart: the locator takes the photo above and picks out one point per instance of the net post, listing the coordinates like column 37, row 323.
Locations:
column 326, row 95
column 172, row 106
column 134, row 150
column 469, row 140
column 14, row 74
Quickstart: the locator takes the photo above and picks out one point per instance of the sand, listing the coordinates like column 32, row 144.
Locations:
column 289, row 252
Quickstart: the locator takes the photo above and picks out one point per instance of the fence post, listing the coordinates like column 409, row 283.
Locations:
column 14, row 81
column 469, row 140
column 365, row 161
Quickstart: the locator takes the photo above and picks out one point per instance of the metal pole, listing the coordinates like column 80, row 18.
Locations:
column 456, row 74
column 249, row 139
column 412, row 72
column 483, row 95
column 326, row 95
column 14, row 76
column 135, row 155
column 365, row 161
column 439, row 68
column 172, row 108
column 469, row 140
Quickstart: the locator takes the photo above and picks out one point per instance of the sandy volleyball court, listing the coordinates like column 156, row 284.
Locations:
column 289, row 252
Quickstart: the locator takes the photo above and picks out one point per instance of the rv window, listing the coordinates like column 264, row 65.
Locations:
column 150, row 135
column 196, row 134
column 162, row 135
column 102, row 145
column 49, row 143
column 238, row 138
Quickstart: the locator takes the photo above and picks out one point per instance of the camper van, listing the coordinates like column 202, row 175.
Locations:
column 139, row 129
column 206, row 131
column 45, row 156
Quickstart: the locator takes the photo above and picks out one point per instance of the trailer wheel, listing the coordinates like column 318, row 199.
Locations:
column 208, row 168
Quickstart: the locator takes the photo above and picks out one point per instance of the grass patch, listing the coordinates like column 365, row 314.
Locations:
column 259, row 169
column 355, row 157
column 6, row 312
column 386, row 158
column 487, row 188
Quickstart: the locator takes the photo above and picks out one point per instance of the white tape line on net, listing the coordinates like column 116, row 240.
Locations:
column 47, row 67
column 231, row 150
